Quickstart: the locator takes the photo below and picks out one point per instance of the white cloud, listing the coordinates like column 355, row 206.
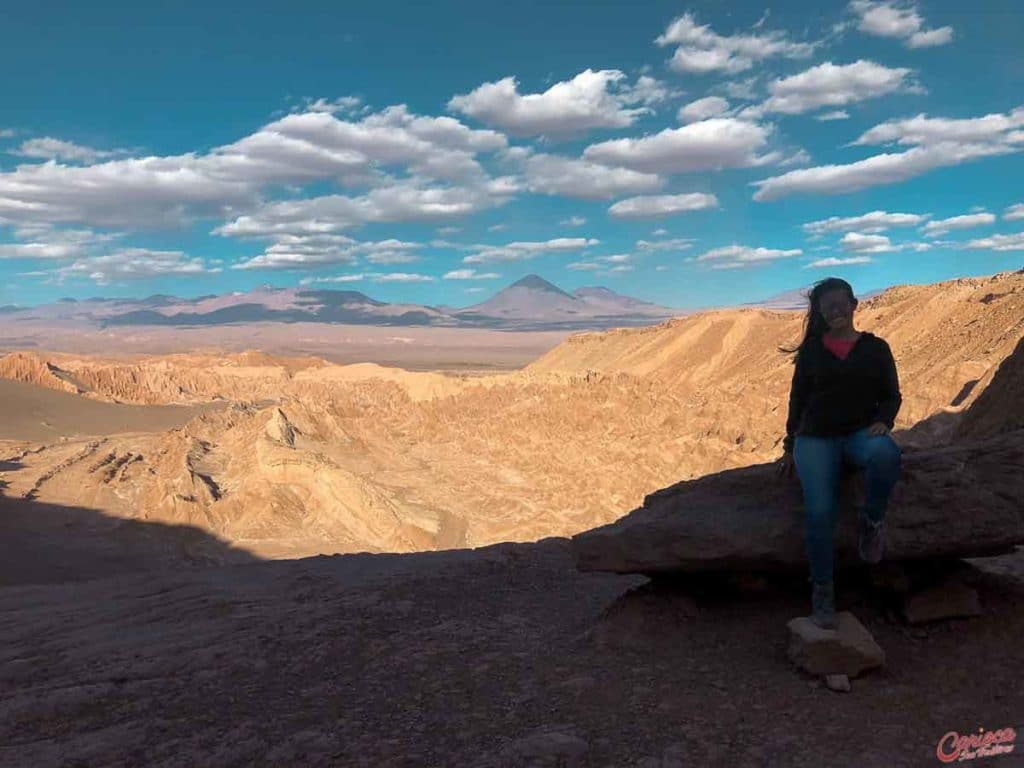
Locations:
column 619, row 262
column 302, row 148
column 649, row 206
column 659, row 232
column 924, row 130
column 1014, row 212
column 399, row 202
column 589, row 101
column 498, row 227
column 403, row 277
column 647, row 91
column 308, row 251
column 875, row 221
column 341, row 105
column 133, row 264
column 573, row 221
column 940, row 142
column 521, row 251
column 46, row 242
column 738, row 256
column 742, row 89
column 967, row 221
column 839, row 114
column 855, row 242
column 1013, row 242
column 898, row 20
column 707, row 145
column 448, row 230
column 931, row 38
column 48, row 148
column 832, row 261
column 702, row 109
column 7, row 133
column 355, row 278
column 675, row 244
column 832, row 85
column 701, row 50
column 391, row 257
column 470, row 274
column 570, row 177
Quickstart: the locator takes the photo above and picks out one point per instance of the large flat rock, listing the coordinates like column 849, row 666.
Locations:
column 963, row 500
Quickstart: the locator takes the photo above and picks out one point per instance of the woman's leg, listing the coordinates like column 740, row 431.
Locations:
column 818, row 461
column 880, row 457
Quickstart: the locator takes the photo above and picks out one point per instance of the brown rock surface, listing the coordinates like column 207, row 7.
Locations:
column 942, row 601
column 957, row 500
column 847, row 650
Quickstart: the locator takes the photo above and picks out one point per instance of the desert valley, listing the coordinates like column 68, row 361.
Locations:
column 166, row 519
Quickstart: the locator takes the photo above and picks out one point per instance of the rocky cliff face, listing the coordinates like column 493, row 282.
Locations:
column 961, row 499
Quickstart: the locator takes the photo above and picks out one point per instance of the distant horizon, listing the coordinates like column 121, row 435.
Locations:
column 368, row 293
column 707, row 155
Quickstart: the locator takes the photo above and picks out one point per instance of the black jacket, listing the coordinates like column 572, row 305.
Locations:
column 831, row 397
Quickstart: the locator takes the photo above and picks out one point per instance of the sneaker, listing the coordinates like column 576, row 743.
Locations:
column 823, row 605
column 871, row 545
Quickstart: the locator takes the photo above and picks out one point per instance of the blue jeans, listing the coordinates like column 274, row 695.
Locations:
column 819, row 464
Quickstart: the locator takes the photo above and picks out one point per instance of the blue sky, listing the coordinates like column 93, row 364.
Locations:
column 690, row 154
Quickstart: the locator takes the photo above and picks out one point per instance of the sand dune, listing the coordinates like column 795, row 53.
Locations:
column 37, row 414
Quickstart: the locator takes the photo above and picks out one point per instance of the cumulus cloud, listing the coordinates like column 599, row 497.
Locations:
column 302, row 148
column 707, row 145
column 967, row 221
column 1013, row 242
column 341, row 105
column 133, row 264
column 702, row 109
column 354, row 278
column 651, row 206
column 835, row 85
column 939, row 143
column 619, row 262
column 334, row 213
column 402, row 277
column 1014, row 212
column 873, row 222
column 571, row 177
column 674, row 244
column 855, row 242
column 589, row 101
column 48, row 148
column 376, row 277
column 832, row 261
column 839, row 114
column 924, row 130
column 700, row 50
column 469, row 274
column 738, row 256
column 883, row 18
column 316, row 250
column 521, row 251
column 46, row 242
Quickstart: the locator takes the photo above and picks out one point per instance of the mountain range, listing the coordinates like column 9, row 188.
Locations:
column 531, row 303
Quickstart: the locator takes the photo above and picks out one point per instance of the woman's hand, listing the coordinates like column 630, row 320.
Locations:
column 784, row 468
column 878, row 428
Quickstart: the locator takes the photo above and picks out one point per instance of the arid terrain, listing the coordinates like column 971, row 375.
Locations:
column 142, row 497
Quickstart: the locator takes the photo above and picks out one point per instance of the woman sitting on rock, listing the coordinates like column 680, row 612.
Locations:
column 843, row 402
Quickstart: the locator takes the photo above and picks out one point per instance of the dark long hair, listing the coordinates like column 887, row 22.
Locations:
column 814, row 324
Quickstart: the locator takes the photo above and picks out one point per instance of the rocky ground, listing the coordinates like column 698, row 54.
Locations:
column 503, row 656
